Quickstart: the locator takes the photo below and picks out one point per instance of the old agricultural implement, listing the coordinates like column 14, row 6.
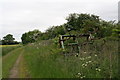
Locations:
column 70, row 43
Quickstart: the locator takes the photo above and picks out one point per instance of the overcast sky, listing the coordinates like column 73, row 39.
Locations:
column 20, row 16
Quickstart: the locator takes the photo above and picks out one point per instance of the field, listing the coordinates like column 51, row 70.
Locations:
column 7, row 45
column 7, row 48
column 44, row 59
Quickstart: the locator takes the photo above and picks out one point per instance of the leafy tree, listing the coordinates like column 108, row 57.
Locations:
column 8, row 39
column 91, row 24
column 54, row 31
column 30, row 36
column 79, row 21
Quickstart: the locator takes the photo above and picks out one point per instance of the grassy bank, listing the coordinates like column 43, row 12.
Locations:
column 94, row 61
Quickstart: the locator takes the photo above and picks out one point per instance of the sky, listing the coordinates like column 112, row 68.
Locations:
column 20, row 16
column 119, row 11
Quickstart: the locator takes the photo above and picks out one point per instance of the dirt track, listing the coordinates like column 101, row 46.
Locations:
column 14, row 72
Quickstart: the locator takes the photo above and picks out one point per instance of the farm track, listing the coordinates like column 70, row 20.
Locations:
column 14, row 72
column 19, row 69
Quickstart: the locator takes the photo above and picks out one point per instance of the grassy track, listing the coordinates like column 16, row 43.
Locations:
column 9, row 60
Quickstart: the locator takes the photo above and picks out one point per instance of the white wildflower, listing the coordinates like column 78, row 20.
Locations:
column 96, row 55
column 79, row 73
column 98, row 69
column 89, row 61
column 89, row 56
column 85, row 64
column 81, row 77
column 82, row 58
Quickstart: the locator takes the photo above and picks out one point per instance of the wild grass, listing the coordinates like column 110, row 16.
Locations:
column 45, row 60
column 8, row 61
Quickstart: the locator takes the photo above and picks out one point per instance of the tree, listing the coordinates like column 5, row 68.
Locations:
column 54, row 31
column 86, row 22
column 8, row 39
column 30, row 36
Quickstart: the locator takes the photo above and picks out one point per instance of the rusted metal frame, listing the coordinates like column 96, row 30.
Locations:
column 61, row 40
column 74, row 38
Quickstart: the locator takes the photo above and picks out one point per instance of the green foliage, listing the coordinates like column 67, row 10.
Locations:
column 30, row 36
column 76, row 24
column 8, row 40
column 55, row 31
column 79, row 21
column 86, row 23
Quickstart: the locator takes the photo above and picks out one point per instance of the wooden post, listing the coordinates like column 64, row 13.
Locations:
column 61, row 40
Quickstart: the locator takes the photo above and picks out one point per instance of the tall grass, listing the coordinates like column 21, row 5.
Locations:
column 45, row 60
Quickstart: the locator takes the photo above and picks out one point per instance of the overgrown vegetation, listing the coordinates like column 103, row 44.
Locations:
column 46, row 60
